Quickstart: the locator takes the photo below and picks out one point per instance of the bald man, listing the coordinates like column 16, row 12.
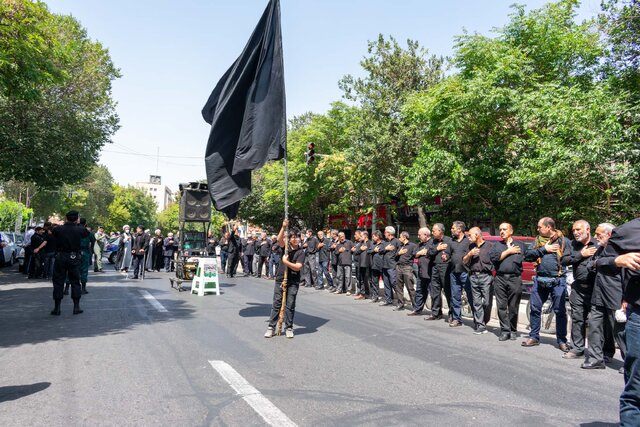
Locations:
column 507, row 257
column 478, row 260
column 583, row 247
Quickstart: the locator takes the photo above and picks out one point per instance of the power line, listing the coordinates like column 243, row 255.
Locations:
column 133, row 153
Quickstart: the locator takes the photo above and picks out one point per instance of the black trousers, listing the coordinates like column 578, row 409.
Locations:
column 364, row 279
column 248, row 264
column 263, row 262
column 440, row 281
column 28, row 253
column 289, row 308
column 422, row 292
column 603, row 330
column 232, row 264
column 508, row 292
column 580, row 301
column 67, row 265
column 137, row 264
column 374, row 287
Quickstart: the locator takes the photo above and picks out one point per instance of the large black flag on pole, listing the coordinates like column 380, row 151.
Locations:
column 247, row 113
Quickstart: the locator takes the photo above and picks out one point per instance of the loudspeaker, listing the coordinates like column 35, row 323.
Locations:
column 195, row 203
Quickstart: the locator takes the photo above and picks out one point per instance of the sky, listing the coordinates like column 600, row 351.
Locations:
column 172, row 53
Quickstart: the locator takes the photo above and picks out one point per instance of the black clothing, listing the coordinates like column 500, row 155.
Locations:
column 312, row 245
column 482, row 262
column 581, row 274
column 508, row 292
column 440, row 257
column 139, row 242
column 365, row 256
column 265, row 248
column 424, row 261
column 377, row 258
column 211, row 246
column 323, row 252
column 512, row 264
column 624, row 239
column 293, row 277
column 68, row 236
column 607, row 289
column 456, row 251
column 407, row 257
column 389, row 259
column 344, row 258
column 249, row 248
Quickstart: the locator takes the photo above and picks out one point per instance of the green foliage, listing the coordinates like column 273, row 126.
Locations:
column 168, row 220
column 56, row 111
column 130, row 206
column 10, row 211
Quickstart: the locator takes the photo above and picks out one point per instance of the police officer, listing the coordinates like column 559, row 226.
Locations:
column 67, row 263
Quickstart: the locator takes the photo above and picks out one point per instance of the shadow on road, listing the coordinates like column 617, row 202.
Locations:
column 302, row 323
column 15, row 392
column 111, row 308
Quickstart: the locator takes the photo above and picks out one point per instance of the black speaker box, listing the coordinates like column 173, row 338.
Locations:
column 195, row 205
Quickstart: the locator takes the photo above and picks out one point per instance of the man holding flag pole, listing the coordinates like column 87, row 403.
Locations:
column 247, row 113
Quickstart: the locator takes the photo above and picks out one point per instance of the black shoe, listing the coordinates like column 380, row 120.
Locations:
column 76, row 310
column 504, row 336
column 399, row 308
column 593, row 365
column 514, row 336
column 55, row 311
column 384, row 304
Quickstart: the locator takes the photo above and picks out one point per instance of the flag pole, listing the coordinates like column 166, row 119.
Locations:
column 286, row 241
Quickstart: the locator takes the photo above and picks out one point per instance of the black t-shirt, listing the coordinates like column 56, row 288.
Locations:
column 36, row 241
column 312, row 245
column 407, row 257
column 457, row 250
column 293, row 277
column 482, row 262
column 389, row 260
column 68, row 236
column 344, row 258
column 424, row 261
column 323, row 252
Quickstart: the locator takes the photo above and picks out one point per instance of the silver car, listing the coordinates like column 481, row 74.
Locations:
column 10, row 249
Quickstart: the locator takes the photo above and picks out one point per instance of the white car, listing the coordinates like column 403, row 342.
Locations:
column 10, row 250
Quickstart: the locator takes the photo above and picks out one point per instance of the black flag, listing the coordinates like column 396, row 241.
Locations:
column 247, row 114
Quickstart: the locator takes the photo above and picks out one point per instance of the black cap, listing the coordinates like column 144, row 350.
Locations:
column 83, row 221
column 72, row 216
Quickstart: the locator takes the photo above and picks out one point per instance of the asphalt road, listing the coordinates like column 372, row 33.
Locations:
column 125, row 362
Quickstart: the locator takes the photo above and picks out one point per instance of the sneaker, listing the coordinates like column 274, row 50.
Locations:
column 289, row 333
column 269, row 333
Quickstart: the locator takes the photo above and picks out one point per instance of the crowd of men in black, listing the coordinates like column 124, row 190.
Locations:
column 603, row 268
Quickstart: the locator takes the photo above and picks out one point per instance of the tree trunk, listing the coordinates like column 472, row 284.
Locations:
column 422, row 219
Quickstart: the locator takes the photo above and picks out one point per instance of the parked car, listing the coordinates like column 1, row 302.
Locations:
column 111, row 250
column 10, row 250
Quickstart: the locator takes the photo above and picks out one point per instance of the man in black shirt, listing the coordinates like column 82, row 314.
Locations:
column 376, row 251
column 440, row 273
column 389, row 276
column 365, row 266
column 67, row 263
column 507, row 257
column 264, row 251
column 38, row 243
column 343, row 252
column 248, row 251
column 424, row 271
column 478, row 260
column 49, row 251
column 458, row 248
column 139, row 247
column 552, row 253
column 605, row 300
column 355, row 252
column 323, row 261
column 404, row 271
column 583, row 247
column 310, row 261
column 622, row 254
column 276, row 256
column 292, row 261
column 333, row 258
column 233, row 251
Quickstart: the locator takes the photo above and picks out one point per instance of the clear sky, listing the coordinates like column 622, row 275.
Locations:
column 172, row 53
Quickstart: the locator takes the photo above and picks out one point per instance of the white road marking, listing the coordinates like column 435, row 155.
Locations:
column 154, row 302
column 263, row 406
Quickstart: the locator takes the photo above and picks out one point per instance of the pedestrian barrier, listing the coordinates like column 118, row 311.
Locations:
column 206, row 279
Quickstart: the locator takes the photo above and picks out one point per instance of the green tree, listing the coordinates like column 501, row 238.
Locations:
column 12, row 212
column 56, row 111
column 168, row 220
column 130, row 206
